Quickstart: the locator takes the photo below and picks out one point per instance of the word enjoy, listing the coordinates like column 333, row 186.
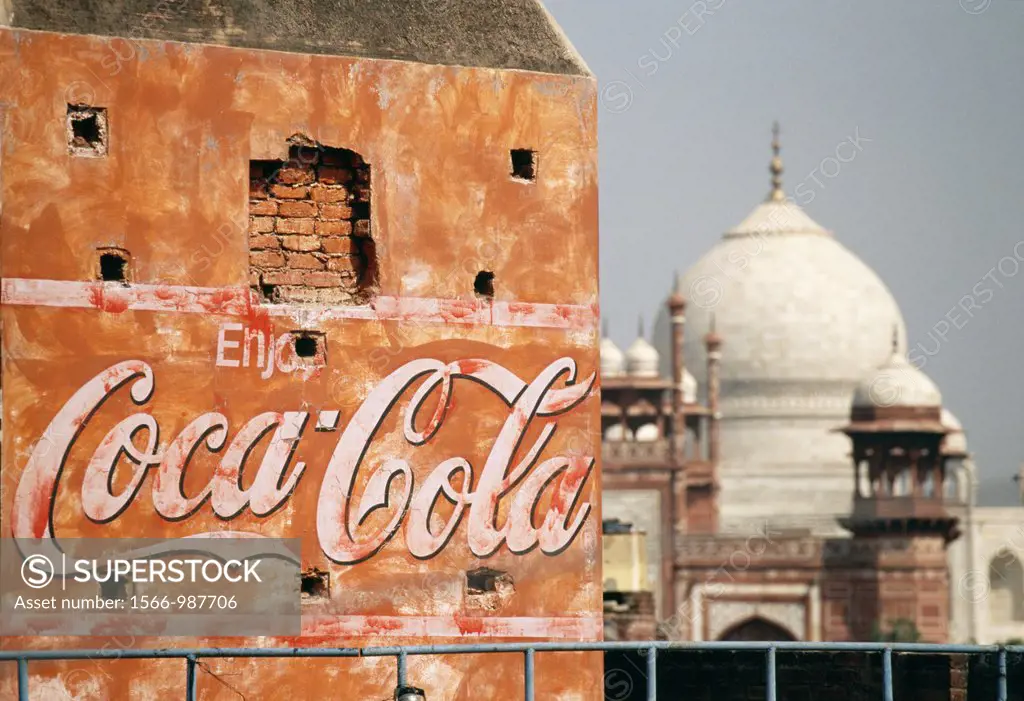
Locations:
column 240, row 346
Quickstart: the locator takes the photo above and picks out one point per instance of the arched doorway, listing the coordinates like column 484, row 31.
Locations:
column 757, row 630
column 1006, row 598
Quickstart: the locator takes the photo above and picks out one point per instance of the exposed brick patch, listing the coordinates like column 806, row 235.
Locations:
column 264, row 241
column 306, row 261
column 341, row 244
column 263, row 208
column 284, row 192
column 335, row 212
column 299, row 208
column 310, row 229
column 300, row 243
column 266, row 259
column 330, row 175
column 329, row 194
column 334, row 228
column 294, row 226
column 261, row 225
column 319, row 279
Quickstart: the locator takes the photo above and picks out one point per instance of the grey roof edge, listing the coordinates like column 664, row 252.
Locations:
column 498, row 34
column 567, row 44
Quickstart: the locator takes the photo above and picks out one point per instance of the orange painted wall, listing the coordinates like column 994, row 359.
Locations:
column 184, row 122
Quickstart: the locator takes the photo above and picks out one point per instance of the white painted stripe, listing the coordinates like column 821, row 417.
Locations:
column 553, row 628
column 115, row 298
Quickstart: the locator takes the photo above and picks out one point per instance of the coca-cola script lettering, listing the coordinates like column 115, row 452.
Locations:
column 341, row 515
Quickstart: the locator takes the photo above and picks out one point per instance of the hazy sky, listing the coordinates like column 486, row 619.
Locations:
column 934, row 201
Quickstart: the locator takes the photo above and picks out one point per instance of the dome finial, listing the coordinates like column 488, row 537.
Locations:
column 777, row 195
column 604, row 328
column 640, row 326
column 895, row 338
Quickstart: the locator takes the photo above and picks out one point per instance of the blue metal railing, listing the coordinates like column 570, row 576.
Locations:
column 191, row 656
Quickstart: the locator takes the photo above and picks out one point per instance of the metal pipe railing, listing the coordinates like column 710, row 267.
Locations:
column 529, row 652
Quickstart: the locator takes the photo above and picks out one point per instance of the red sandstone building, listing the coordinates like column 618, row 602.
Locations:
column 276, row 239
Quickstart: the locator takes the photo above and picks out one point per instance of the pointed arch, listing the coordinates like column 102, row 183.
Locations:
column 757, row 629
column 1006, row 597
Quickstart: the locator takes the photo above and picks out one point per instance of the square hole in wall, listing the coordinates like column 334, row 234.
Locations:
column 483, row 285
column 524, row 164
column 310, row 348
column 114, row 588
column 86, row 129
column 113, row 265
column 315, row 584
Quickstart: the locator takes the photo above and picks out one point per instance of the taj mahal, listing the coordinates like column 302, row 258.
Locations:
column 775, row 467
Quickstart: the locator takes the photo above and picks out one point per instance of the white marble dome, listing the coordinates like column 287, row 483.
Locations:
column 642, row 360
column 617, row 432
column 613, row 362
column 648, row 433
column 803, row 321
column 897, row 383
column 791, row 303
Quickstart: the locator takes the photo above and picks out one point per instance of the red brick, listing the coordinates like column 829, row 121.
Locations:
column 257, row 189
column 285, row 192
column 344, row 264
column 334, row 228
column 298, row 209
column 306, row 261
column 322, row 193
column 342, row 244
column 261, row 225
column 361, row 193
column 335, row 211
column 294, row 175
column 254, row 278
column 294, row 226
column 321, row 279
column 255, row 170
column 300, row 243
column 283, row 277
column 266, row 259
column 263, row 207
column 268, row 241
column 362, row 227
column 330, row 175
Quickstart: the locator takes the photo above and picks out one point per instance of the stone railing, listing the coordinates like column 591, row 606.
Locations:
column 635, row 452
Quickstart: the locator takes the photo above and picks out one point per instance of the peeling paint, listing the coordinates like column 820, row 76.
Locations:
column 503, row 432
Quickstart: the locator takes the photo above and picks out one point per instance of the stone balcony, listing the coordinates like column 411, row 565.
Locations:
column 635, row 452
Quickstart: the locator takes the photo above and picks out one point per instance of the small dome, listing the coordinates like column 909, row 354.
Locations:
column 955, row 442
column 641, row 359
column 616, row 432
column 648, row 433
column 897, row 383
column 613, row 362
column 689, row 387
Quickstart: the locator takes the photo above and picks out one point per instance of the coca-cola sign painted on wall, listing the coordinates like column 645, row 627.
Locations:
column 420, row 392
